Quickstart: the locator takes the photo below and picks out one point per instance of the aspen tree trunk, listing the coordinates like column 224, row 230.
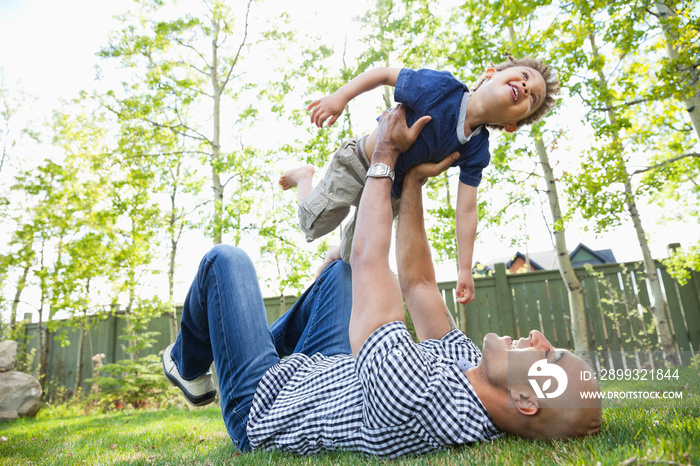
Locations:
column 132, row 349
column 79, row 362
column 692, row 81
column 579, row 327
column 43, row 332
column 217, row 188
column 21, row 283
column 81, row 344
column 42, row 328
column 658, row 303
column 172, row 316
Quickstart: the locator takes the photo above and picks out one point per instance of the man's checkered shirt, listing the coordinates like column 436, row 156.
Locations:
column 398, row 398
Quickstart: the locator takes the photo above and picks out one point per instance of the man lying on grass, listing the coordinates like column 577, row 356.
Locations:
column 370, row 389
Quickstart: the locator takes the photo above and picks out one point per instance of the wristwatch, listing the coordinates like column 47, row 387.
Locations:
column 380, row 170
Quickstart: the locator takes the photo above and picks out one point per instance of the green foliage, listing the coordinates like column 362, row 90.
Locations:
column 683, row 262
column 137, row 382
column 130, row 383
column 482, row 270
column 26, row 357
column 628, row 317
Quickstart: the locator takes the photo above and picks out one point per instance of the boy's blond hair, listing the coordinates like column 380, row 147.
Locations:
column 551, row 81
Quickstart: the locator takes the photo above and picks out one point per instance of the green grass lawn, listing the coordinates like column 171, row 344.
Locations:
column 634, row 432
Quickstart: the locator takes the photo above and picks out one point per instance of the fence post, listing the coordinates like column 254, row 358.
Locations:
column 283, row 307
column 504, row 301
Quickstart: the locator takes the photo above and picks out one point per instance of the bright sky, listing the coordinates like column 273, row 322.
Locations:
column 47, row 49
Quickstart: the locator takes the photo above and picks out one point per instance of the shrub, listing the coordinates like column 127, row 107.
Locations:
column 131, row 383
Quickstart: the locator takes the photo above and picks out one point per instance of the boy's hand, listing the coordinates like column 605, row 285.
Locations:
column 465, row 287
column 327, row 108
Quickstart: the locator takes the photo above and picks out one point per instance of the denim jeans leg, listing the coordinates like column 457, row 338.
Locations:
column 319, row 320
column 224, row 320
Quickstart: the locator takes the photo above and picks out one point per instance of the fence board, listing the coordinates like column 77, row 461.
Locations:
column 545, row 305
column 496, row 318
column 533, row 311
column 504, row 301
column 627, row 319
column 677, row 319
column 520, row 310
column 595, row 317
column 561, row 313
column 690, row 299
column 613, row 316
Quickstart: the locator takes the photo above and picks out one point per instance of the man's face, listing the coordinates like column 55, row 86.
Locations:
column 514, row 94
column 505, row 364
column 496, row 351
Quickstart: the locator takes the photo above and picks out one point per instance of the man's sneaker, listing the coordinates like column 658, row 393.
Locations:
column 199, row 392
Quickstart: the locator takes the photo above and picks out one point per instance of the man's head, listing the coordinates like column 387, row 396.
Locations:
column 518, row 92
column 534, row 390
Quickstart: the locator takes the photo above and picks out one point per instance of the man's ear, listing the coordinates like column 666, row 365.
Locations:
column 525, row 401
column 490, row 72
column 510, row 127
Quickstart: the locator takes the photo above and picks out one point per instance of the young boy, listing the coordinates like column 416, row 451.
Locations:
column 509, row 95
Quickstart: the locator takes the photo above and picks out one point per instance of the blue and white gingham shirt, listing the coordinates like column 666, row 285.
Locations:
column 398, row 398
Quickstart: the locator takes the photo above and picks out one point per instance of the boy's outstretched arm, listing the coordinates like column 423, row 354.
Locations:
column 376, row 297
column 467, row 219
column 430, row 315
column 330, row 107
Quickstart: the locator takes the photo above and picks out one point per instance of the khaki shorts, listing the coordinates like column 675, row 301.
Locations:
column 327, row 205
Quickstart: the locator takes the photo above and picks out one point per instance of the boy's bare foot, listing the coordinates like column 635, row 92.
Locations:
column 297, row 176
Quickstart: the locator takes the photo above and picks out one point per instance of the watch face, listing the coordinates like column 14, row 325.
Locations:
column 380, row 170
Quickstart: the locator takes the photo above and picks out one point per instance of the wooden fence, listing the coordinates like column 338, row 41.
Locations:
column 616, row 299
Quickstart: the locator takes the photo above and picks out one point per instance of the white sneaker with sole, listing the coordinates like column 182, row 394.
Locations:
column 198, row 392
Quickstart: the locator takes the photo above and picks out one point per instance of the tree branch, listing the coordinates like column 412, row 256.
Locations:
column 624, row 104
column 240, row 47
column 665, row 162
column 197, row 52
column 223, row 186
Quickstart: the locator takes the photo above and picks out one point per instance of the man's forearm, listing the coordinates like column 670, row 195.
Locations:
column 428, row 310
column 412, row 250
column 372, row 239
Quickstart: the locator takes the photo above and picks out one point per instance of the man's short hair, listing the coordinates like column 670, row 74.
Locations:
column 551, row 81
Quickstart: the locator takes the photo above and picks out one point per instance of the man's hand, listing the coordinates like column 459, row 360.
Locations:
column 394, row 136
column 465, row 287
column 426, row 170
column 333, row 254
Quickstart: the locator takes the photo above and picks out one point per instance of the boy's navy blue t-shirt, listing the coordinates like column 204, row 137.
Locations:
column 440, row 95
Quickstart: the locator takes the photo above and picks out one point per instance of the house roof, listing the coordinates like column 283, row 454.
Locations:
column 547, row 260
column 605, row 256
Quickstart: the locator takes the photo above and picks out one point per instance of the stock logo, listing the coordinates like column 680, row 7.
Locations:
column 542, row 368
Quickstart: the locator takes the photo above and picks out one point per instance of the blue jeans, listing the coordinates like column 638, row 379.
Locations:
column 224, row 321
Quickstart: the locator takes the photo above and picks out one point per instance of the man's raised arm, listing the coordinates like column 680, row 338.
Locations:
column 430, row 315
column 376, row 297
